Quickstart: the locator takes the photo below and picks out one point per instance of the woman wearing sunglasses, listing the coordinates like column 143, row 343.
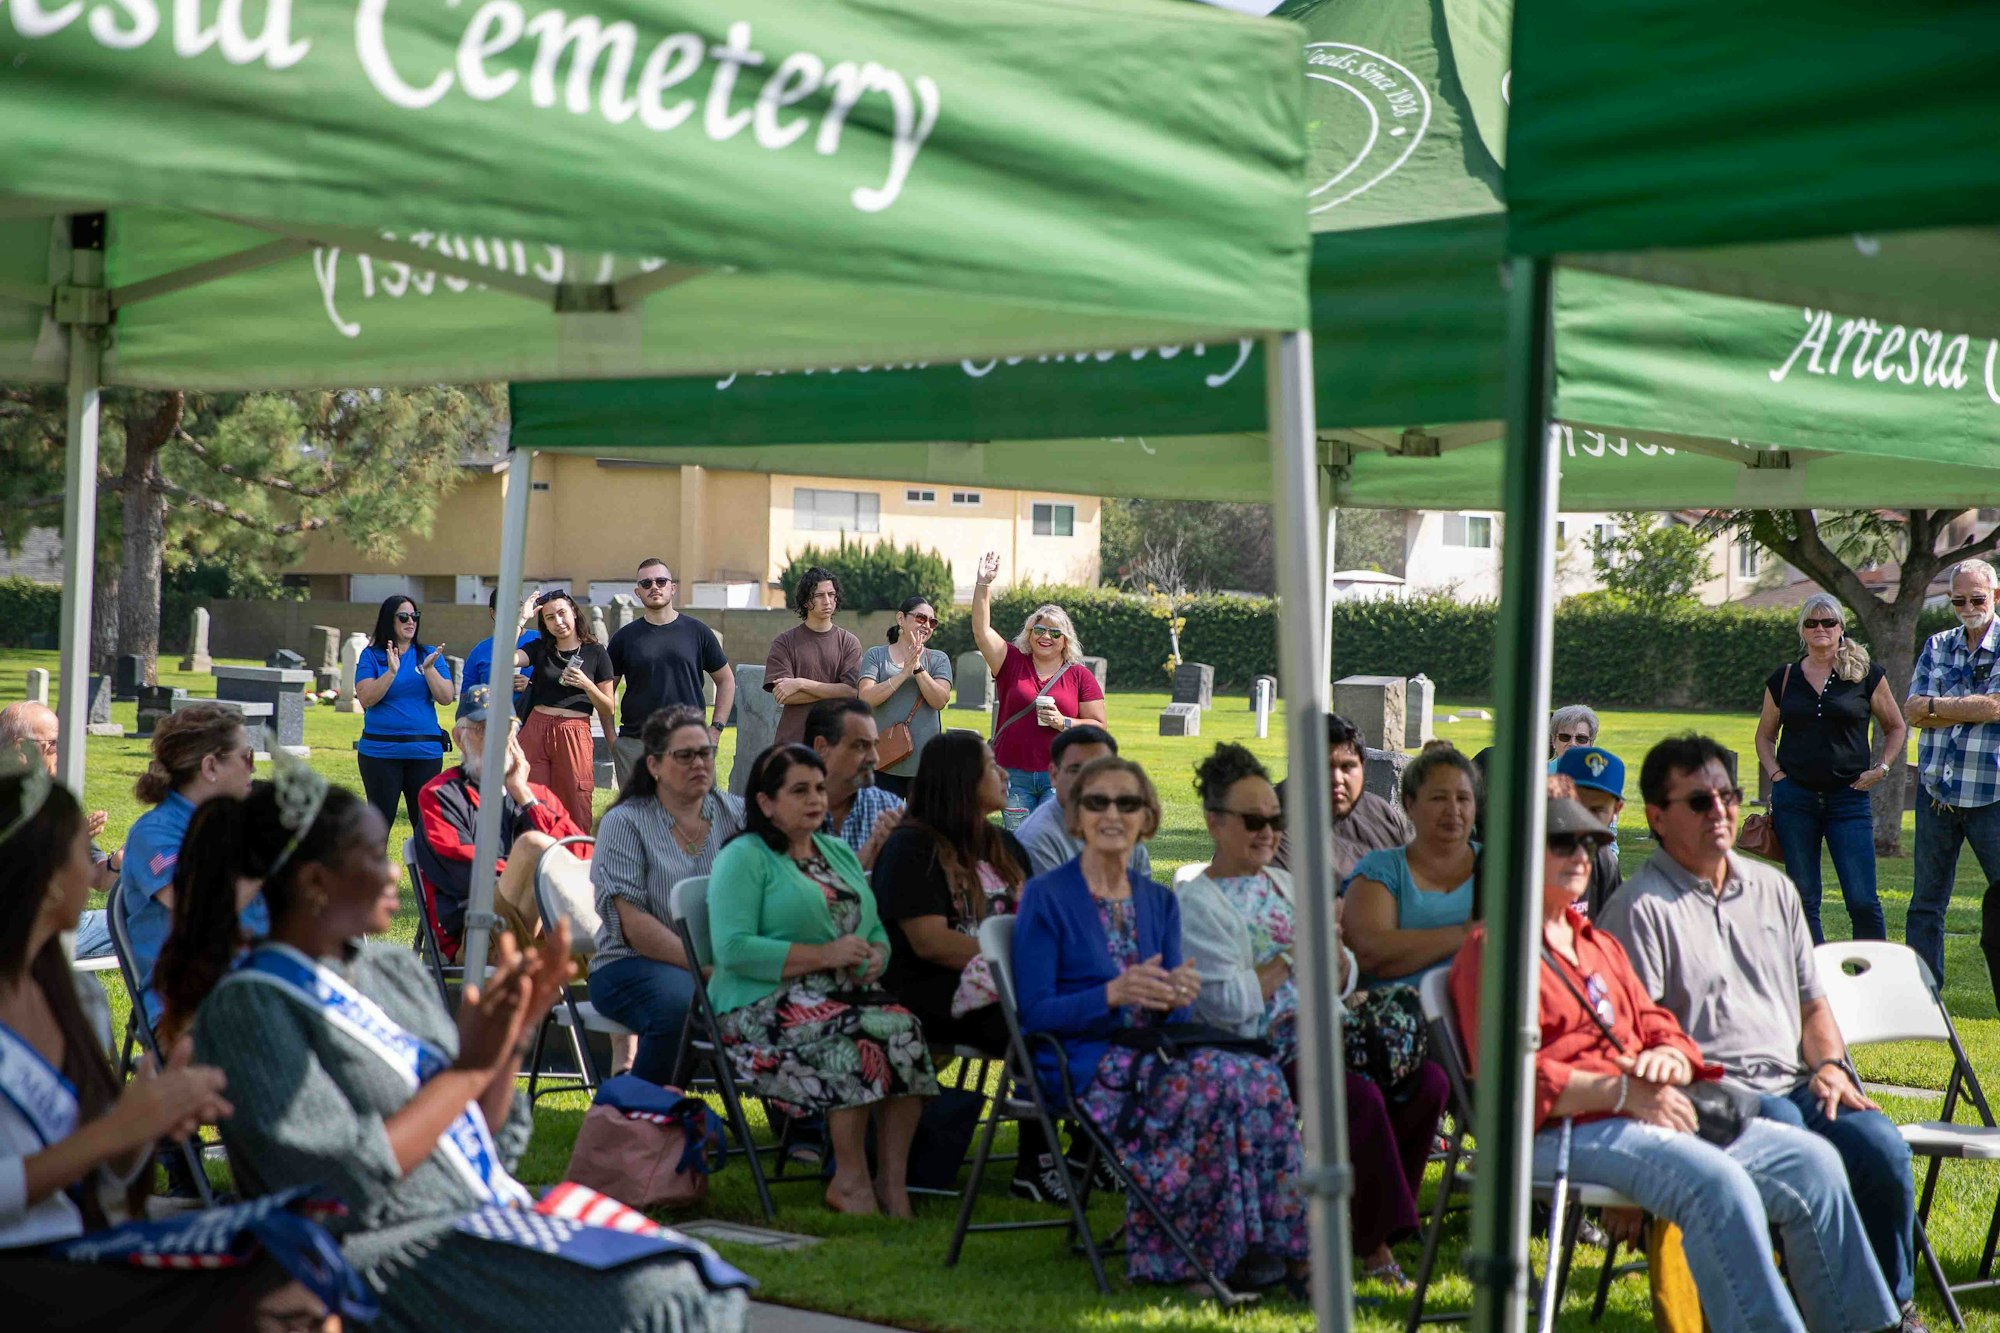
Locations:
column 1215, row 1141
column 400, row 683
column 1040, row 686
column 1813, row 740
column 906, row 682
column 1236, row 924
column 1406, row 909
column 667, row 824
column 1614, row 1062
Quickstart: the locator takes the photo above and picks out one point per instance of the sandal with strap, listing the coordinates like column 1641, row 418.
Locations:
column 1390, row 1274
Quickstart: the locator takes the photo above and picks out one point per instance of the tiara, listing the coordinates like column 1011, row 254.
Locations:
column 24, row 761
column 301, row 794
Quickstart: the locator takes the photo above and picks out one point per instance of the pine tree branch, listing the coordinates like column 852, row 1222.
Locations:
column 221, row 510
column 214, row 464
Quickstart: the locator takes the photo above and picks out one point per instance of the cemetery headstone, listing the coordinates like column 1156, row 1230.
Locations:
column 197, row 658
column 972, row 683
column 283, row 689
column 256, row 720
column 756, row 724
column 598, row 629
column 1194, row 683
column 1912, row 787
column 1180, row 719
column 1382, row 773
column 323, row 649
column 1099, row 667
column 455, row 668
column 284, row 659
column 1258, row 681
column 128, row 673
column 624, row 610
column 1374, row 704
column 350, row 658
column 1474, row 715
column 1419, row 706
column 100, row 700
column 600, row 754
column 155, row 702
column 38, row 687
column 1263, row 697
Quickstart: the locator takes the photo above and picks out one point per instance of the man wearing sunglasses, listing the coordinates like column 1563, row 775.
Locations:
column 1954, row 704
column 661, row 658
column 1721, row 941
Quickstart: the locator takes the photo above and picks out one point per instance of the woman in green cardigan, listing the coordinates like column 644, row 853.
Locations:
column 799, row 951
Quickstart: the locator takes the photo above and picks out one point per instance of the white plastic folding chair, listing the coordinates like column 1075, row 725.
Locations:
column 1191, row 870
column 578, row 1018
column 1880, row 992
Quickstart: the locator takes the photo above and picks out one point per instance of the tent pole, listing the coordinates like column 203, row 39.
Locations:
column 1330, row 519
column 1497, row 1253
column 86, row 365
column 1295, row 509
column 479, row 917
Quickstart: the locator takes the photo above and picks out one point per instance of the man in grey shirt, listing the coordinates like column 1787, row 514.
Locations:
column 1045, row 832
column 1362, row 822
column 1721, row 940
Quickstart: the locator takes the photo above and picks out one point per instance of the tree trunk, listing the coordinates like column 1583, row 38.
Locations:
column 1896, row 650
column 145, row 533
column 103, row 617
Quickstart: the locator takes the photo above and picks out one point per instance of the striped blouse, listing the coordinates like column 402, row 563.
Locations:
column 638, row 859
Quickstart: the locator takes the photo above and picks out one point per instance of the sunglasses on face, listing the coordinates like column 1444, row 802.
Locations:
column 693, row 754
column 1968, row 601
column 656, row 583
column 408, row 617
column 1701, row 802
column 1573, row 737
column 1566, row 844
column 1097, row 803
column 928, row 622
column 1044, row 632
column 1253, row 821
column 1822, row 622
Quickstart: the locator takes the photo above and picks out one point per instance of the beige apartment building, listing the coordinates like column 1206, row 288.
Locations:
column 727, row 535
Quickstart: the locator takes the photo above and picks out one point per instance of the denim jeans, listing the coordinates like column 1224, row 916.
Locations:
column 652, row 998
column 1941, row 829
column 1025, row 790
column 1725, row 1200
column 1845, row 821
column 1878, row 1171
column 93, row 935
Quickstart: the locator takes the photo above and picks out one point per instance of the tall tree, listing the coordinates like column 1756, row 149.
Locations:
column 238, row 479
column 1650, row 560
column 1830, row 549
column 1215, row 546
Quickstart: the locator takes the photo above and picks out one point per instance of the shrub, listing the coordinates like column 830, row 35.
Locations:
column 876, row 577
column 28, row 610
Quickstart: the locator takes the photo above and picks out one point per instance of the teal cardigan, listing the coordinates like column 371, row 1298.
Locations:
column 760, row 904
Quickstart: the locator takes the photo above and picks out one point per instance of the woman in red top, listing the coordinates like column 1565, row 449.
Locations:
column 1614, row 1062
column 1040, row 686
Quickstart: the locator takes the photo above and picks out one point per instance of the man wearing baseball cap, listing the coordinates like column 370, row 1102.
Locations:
column 1599, row 776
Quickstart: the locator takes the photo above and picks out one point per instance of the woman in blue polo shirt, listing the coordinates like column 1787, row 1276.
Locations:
column 400, row 684
column 199, row 753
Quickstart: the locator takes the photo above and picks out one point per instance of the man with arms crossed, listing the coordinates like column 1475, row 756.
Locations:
column 661, row 657
column 814, row 660
column 1721, row 941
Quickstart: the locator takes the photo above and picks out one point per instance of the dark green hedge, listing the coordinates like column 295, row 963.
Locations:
column 28, row 611
column 875, row 577
column 1607, row 651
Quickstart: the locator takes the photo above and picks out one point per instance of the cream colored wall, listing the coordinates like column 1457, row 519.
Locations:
column 465, row 538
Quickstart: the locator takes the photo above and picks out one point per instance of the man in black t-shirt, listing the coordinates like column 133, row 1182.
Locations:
column 661, row 658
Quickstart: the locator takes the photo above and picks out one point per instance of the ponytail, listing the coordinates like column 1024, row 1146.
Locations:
column 180, row 742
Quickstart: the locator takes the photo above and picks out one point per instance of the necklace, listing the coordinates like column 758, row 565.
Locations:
column 697, row 833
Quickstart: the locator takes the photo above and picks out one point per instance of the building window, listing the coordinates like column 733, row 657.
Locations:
column 538, row 486
column 1747, row 560
column 1054, row 520
column 1601, row 533
column 1562, row 532
column 836, row 511
column 1473, row 531
column 919, row 496
column 965, row 497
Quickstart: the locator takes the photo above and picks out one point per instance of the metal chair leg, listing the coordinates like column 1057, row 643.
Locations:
column 1604, row 1279
column 1938, row 1279
column 981, row 1152
column 1433, row 1236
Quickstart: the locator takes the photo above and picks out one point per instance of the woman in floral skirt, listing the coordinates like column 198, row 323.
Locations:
column 1212, row 1138
column 799, row 952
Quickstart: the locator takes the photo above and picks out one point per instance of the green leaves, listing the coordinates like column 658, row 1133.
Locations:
column 878, row 577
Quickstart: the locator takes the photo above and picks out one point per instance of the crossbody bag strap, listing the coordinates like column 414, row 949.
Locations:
column 1549, row 957
column 1044, row 688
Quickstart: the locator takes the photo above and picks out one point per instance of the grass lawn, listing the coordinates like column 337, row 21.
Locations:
column 1023, row 1282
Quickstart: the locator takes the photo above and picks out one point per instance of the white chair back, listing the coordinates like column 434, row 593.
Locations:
column 1880, row 991
column 583, row 921
column 996, row 941
column 1190, row 871
column 689, row 903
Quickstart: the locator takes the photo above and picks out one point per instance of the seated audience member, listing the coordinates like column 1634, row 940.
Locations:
column 479, row 662
column 1615, row 1063
column 348, row 1073
column 795, row 931
column 1362, row 822
column 1407, row 908
column 35, row 724
column 1214, row 1142
column 813, row 660
column 199, row 754
column 1236, row 928
column 1044, row 834
column 1599, row 778
column 1700, row 922
column 667, row 825
column 862, row 815
column 572, row 679
column 531, row 822
column 74, row 1142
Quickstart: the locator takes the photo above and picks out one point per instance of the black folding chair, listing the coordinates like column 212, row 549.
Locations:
column 996, row 942
column 427, row 945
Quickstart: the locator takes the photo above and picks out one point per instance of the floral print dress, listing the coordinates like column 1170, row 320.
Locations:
column 1216, row 1145
column 1268, row 914
column 821, row 1042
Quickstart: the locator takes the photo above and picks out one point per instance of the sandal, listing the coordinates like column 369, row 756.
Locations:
column 1390, row 1274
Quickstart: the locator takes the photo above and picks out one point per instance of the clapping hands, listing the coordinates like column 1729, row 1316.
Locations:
column 516, row 997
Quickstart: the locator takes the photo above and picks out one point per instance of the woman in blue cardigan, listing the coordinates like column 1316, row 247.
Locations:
column 1215, row 1140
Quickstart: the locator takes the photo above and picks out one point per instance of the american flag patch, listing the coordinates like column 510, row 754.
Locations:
column 162, row 862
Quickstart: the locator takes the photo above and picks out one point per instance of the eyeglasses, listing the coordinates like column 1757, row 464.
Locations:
column 693, row 754
column 1097, row 803
column 1566, row 844
column 1968, row 601
column 1701, row 802
column 1821, row 622
column 1044, row 632
column 656, row 583
column 1253, row 821
column 928, row 622
column 408, row 617
column 1573, row 737
column 47, row 747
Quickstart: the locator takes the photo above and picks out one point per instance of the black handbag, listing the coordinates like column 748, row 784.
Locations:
column 1171, row 1041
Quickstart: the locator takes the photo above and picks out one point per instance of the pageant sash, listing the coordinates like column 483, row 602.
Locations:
column 581, row 1226
column 36, row 1089
column 468, row 1143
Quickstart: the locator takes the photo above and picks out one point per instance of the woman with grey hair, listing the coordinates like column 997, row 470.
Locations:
column 1813, row 740
column 1041, row 686
column 1570, row 727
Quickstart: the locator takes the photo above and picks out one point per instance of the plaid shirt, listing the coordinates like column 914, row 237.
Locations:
column 1959, row 764
column 869, row 803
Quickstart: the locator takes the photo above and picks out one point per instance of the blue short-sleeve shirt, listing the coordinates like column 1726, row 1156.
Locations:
column 152, row 850
column 407, row 710
column 1416, row 909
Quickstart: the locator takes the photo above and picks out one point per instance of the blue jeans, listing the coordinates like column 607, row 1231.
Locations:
column 1025, row 790
column 93, row 935
column 652, row 998
column 1878, row 1171
column 1941, row 829
column 1844, row 820
column 1725, row 1200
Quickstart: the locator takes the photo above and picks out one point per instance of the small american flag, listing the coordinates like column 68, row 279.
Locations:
column 162, row 862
